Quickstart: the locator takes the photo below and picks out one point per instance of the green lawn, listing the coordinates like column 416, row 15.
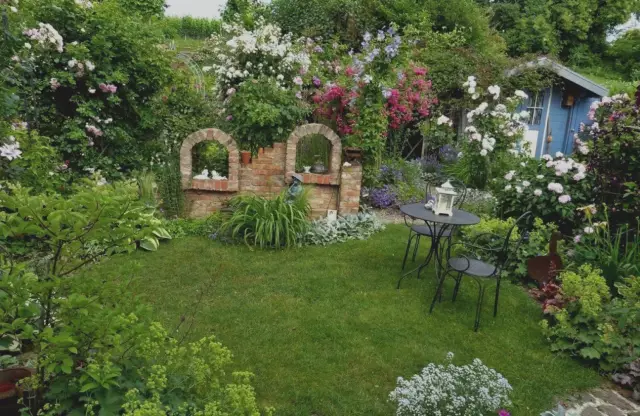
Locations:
column 326, row 332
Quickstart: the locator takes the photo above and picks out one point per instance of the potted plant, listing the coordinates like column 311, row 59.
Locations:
column 245, row 156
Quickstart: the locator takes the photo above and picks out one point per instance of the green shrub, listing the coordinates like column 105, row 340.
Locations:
column 261, row 113
column 204, row 227
column 593, row 327
column 536, row 244
column 489, row 233
column 275, row 223
column 352, row 227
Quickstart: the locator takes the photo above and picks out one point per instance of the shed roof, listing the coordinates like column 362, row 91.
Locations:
column 565, row 73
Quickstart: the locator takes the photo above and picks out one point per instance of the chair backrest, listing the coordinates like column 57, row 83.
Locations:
column 437, row 180
column 508, row 249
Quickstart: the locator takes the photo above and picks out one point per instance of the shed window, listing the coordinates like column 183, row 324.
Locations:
column 534, row 107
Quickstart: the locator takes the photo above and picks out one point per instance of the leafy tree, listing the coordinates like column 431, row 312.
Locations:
column 625, row 54
column 560, row 27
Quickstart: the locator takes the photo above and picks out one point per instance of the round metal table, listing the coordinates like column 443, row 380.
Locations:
column 438, row 225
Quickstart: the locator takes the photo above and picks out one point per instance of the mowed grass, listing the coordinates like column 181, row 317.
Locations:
column 325, row 330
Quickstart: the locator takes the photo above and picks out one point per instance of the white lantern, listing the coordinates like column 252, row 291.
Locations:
column 445, row 196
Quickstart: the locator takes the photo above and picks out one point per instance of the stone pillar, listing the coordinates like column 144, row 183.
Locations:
column 350, row 184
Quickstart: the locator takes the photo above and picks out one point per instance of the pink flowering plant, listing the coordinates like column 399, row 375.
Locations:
column 610, row 147
column 374, row 93
column 84, row 77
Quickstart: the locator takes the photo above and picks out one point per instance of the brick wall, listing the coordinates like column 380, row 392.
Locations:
column 269, row 173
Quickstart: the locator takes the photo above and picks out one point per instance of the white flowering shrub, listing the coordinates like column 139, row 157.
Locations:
column 450, row 390
column 494, row 130
column 237, row 54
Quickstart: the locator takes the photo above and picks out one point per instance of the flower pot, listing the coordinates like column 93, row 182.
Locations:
column 353, row 153
column 245, row 155
column 307, row 169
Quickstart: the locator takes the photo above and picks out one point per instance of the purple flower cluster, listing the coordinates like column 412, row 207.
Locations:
column 431, row 164
column 448, row 154
column 384, row 197
column 389, row 174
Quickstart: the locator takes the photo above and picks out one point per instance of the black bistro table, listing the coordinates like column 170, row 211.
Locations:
column 438, row 226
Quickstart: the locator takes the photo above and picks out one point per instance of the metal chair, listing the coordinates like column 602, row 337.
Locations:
column 429, row 230
column 482, row 271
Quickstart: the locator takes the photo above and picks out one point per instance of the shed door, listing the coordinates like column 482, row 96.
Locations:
column 535, row 107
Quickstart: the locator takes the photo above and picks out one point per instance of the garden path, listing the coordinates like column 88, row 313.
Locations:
column 602, row 403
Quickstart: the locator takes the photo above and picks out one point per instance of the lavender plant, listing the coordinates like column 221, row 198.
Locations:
column 451, row 390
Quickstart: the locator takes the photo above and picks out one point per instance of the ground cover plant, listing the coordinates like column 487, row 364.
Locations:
column 326, row 332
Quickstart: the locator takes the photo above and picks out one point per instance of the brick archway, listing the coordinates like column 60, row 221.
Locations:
column 333, row 177
column 186, row 163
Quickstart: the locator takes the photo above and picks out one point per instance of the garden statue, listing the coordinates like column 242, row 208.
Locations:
column 295, row 189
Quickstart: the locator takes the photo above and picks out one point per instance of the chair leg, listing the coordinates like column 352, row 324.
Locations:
column 457, row 287
column 495, row 305
column 426, row 261
column 479, row 307
column 415, row 249
column 438, row 291
column 406, row 252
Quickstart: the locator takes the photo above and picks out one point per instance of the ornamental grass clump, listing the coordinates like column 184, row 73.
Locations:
column 450, row 390
column 276, row 223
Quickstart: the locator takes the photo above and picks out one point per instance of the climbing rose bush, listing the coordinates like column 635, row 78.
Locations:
column 494, row 128
column 451, row 390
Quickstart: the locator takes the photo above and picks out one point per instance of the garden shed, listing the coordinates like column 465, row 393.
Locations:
column 556, row 112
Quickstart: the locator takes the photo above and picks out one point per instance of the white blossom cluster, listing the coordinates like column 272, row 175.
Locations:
column 238, row 54
column 11, row 149
column 450, row 390
column 488, row 121
column 45, row 35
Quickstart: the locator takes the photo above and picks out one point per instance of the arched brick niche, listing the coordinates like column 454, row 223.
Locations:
column 331, row 178
column 186, row 166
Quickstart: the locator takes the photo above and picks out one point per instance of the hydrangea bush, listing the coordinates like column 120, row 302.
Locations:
column 552, row 188
column 451, row 390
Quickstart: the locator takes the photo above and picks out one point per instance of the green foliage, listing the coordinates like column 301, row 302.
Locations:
column 625, row 53
column 312, row 149
column 616, row 253
column 190, row 27
column 204, row 227
column 145, row 8
column 489, row 234
column 211, row 156
column 261, row 113
column 593, row 327
column 268, row 223
column 104, row 354
column 38, row 167
column 68, row 227
column 613, row 157
column 566, row 28
column 169, row 181
column 352, row 227
column 537, row 244
column 125, row 54
column 526, row 188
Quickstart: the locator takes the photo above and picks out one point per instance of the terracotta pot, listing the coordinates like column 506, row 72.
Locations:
column 9, row 378
column 245, row 155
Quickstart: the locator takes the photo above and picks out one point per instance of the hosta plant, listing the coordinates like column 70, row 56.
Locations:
column 451, row 390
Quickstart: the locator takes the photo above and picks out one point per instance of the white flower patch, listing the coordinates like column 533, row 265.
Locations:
column 11, row 149
column 450, row 390
column 45, row 35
